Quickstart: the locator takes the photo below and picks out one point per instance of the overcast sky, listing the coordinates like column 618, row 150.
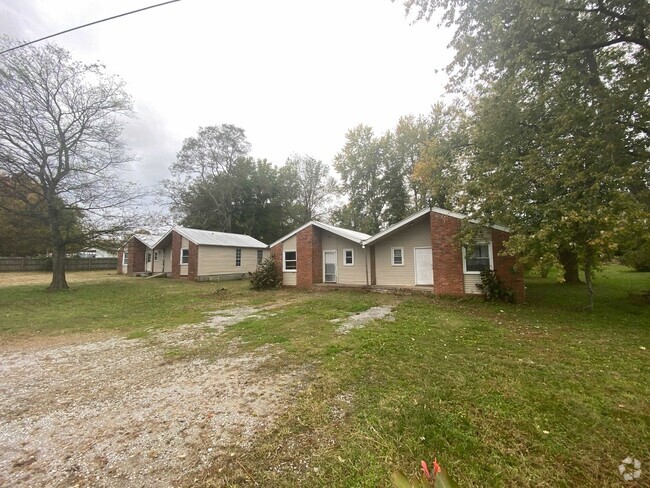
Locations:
column 294, row 74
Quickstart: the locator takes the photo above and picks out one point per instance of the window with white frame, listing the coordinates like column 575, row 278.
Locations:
column 348, row 257
column 397, row 256
column 155, row 255
column 125, row 258
column 476, row 258
column 260, row 256
column 148, row 257
column 185, row 256
column 290, row 261
column 238, row 257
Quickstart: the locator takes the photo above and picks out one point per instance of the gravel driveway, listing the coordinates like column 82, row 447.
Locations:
column 116, row 413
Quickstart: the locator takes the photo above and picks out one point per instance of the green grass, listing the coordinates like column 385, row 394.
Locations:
column 130, row 305
column 540, row 394
column 544, row 393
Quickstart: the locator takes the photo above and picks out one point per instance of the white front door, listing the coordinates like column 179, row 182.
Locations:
column 149, row 264
column 329, row 266
column 423, row 266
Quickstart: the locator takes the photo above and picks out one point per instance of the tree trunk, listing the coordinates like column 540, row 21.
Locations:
column 569, row 261
column 590, row 287
column 58, row 270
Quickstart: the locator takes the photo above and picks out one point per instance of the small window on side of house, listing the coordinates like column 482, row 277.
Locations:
column 397, row 256
column 348, row 257
column 148, row 257
column 185, row 256
column 290, row 261
column 125, row 258
column 238, row 257
column 477, row 258
column 260, row 256
column 155, row 255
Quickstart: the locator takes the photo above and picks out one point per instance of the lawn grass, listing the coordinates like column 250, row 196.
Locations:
column 131, row 305
column 540, row 394
column 544, row 393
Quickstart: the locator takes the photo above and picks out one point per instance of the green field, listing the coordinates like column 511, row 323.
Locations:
column 544, row 393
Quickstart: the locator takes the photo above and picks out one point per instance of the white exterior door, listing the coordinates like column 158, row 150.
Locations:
column 423, row 266
column 329, row 266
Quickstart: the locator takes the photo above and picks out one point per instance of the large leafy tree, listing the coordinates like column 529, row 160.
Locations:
column 23, row 219
column 60, row 141
column 313, row 184
column 561, row 134
column 217, row 186
column 361, row 167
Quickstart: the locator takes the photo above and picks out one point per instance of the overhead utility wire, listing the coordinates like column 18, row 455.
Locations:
column 86, row 25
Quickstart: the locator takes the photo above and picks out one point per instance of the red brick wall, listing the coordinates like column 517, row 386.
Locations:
column 317, row 254
column 305, row 265
column 505, row 267
column 276, row 255
column 136, row 252
column 176, row 254
column 447, row 255
column 193, row 264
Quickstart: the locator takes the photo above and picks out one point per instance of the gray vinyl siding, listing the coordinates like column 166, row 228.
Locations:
column 418, row 235
column 349, row 275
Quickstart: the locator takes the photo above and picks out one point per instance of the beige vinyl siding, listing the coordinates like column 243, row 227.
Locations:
column 168, row 260
column 418, row 235
column 470, row 283
column 185, row 244
column 289, row 278
column 216, row 260
column 348, row 275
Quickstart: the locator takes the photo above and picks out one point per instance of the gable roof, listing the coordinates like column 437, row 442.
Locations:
column 213, row 238
column 350, row 235
column 148, row 240
column 419, row 214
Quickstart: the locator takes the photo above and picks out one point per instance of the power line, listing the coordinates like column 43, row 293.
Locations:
column 86, row 25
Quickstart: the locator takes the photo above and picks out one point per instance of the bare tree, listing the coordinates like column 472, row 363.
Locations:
column 60, row 145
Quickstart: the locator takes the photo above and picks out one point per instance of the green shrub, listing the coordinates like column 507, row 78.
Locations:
column 492, row 288
column 266, row 276
column 638, row 258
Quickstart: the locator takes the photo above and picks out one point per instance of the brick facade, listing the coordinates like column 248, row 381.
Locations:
column 193, row 262
column 136, row 250
column 176, row 255
column 276, row 255
column 505, row 267
column 447, row 255
column 308, row 260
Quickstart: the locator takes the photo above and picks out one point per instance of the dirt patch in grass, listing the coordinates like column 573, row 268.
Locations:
column 359, row 320
column 117, row 412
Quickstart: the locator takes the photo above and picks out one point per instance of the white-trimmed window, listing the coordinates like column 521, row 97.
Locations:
column 260, row 256
column 397, row 256
column 148, row 257
column 125, row 258
column 185, row 256
column 348, row 257
column 238, row 258
column 290, row 261
column 155, row 255
column 478, row 257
